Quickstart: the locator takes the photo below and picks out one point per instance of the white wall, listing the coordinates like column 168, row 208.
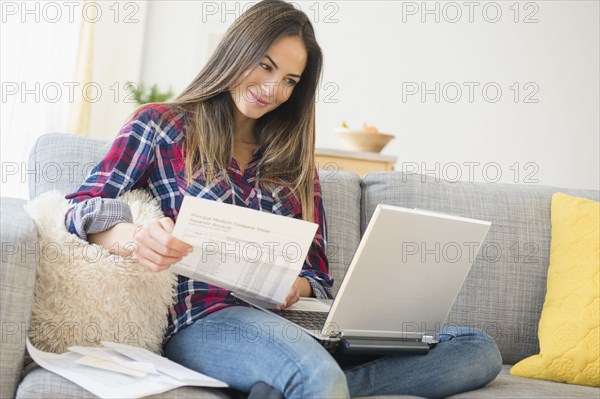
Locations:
column 119, row 37
column 372, row 58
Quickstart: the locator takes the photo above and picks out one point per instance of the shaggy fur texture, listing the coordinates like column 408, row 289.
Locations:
column 84, row 295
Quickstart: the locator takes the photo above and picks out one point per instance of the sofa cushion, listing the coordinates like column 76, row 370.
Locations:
column 506, row 386
column 43, row 384
column 40, row 383
column 504, row 292
column 341, row 199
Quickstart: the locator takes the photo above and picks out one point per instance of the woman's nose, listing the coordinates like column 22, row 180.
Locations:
column 269, row 90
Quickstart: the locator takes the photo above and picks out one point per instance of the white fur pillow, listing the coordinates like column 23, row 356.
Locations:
column 84, row 295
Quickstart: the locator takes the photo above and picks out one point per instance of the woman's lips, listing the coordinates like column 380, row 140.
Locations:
column 258, row 100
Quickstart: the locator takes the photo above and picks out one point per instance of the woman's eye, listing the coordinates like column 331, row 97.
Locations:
column 266, row 67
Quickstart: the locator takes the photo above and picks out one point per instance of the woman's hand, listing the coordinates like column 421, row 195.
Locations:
column 155, row 248
column 301, row 287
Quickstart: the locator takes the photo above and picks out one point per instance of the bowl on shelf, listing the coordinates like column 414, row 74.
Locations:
column 358, row 140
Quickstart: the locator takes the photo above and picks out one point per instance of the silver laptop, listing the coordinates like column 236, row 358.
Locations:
column 400, row 286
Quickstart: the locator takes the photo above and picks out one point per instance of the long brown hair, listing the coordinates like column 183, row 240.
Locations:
column 285, row 134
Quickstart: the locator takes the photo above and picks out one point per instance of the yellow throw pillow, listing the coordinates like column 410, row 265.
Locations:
column 569, row 324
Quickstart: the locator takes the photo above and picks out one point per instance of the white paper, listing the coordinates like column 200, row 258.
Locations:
column 162, row 364
column 108, row 365
column 114, row 357
column 241, row 249
column 112, row 384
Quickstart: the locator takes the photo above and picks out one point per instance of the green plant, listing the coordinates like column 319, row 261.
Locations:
column 143, row 95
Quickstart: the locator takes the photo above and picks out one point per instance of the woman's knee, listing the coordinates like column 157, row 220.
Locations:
column 483, row 353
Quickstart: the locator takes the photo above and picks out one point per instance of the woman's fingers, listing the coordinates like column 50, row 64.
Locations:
column 290, row 300
column 155, row 248
column 154, row 240
column 293, row 296
column 165, row 235
column 155, row 236
column 149, row 254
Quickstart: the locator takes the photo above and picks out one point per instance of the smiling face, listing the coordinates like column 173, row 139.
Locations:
column 270, row 83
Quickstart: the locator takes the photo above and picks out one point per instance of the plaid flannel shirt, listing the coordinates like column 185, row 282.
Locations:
column 148, row 153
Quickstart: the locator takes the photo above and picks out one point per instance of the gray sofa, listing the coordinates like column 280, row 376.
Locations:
column 503, row 294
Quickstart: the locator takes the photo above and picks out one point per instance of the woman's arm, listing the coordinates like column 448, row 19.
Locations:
column 151, row 244
column 118, row 239
column 97, row 215
column 94, row 207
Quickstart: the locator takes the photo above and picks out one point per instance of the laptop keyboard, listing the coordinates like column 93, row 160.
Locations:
column 306, row 319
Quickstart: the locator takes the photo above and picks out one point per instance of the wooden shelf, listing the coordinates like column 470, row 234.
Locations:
column 360, row 163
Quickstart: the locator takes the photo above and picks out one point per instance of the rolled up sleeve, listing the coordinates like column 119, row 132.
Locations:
column 95, row 215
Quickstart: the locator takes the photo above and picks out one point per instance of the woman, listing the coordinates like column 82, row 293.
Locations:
column 246, row 138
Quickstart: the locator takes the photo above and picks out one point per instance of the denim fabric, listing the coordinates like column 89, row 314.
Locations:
column 243, row 346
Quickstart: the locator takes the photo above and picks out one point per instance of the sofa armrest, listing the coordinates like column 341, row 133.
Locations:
column 19, row 259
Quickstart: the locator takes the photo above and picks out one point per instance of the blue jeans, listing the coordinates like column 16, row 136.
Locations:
column 242, row 346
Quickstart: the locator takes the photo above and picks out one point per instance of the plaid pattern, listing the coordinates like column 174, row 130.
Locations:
column 149, row 153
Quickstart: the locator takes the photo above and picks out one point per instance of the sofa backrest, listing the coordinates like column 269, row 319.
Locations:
column 62, row 161
column 341, row 199
column 504, row 292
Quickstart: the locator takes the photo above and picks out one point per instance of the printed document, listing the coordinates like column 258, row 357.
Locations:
column 249, row 252
column 120, row 371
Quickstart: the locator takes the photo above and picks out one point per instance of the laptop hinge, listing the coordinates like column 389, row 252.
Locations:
column 382, row 346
